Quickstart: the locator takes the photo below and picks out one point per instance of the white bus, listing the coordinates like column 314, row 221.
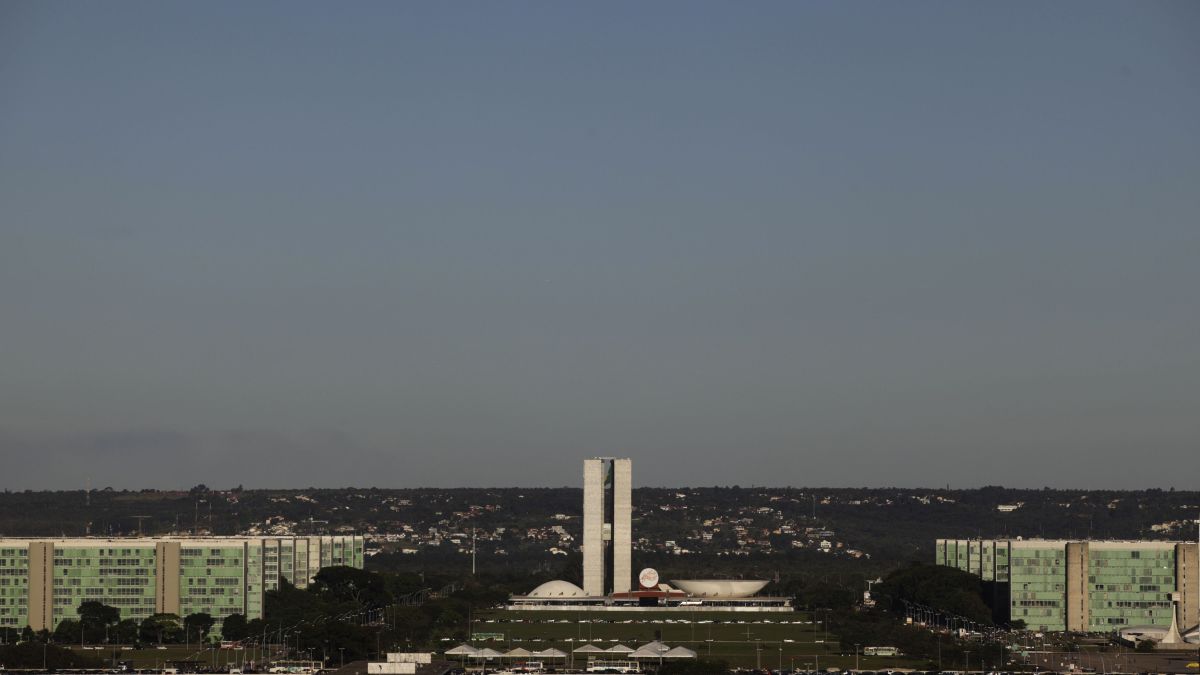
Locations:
column 622, row 667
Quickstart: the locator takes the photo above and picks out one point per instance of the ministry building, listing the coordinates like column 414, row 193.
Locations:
column 1086, row 586
column 43, row 581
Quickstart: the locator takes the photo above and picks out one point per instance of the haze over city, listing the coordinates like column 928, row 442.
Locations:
column 294, row 244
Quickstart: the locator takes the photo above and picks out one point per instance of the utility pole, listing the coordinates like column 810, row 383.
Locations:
column 472, row 551
column 139, row 523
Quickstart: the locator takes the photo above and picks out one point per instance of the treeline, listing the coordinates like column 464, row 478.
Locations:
column 345, row 613
column 945, row 591
column 890, row 524
column 102, row 624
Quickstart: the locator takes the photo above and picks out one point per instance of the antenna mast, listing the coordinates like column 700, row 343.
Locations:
column 139, row 519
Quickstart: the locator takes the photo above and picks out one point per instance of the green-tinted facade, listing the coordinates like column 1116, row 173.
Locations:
column 44, row 581
column 117, row 575
column 1037, row 581
column 1092, row 586
column 212, row 580
column 1131, row 586
column 14, row 584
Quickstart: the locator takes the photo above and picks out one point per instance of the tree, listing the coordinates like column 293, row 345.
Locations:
column 96, row 618
column 411, row 623
column 255, row 627
column 350, row 584
column 98, row 612
column 126, row 632
column 943, row 588
column 825, row 595
column 235, row 627
column 67, row 632
column 161, row 629
column 450, row 619
column 198, row 624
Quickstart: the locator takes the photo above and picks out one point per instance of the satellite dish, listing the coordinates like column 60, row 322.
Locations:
column 648, row 578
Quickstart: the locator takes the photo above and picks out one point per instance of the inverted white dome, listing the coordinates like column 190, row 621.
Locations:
column 719, row 588
column 557, row 589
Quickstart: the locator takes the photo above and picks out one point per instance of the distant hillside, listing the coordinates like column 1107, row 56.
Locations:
column 537, row 530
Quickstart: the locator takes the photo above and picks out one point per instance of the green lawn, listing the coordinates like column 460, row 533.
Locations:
column 742, row 639
column 792, row 639
column 159, row 658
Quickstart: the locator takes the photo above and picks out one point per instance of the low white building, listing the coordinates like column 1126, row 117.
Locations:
column 400, row 663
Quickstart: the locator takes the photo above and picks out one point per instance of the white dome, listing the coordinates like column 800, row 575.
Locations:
column 557, row 589
column 719, row 588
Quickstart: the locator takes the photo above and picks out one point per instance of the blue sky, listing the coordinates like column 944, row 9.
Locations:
column 399, row 244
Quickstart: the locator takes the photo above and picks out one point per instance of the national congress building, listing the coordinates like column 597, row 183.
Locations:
column 607, row 548
column 43, row 581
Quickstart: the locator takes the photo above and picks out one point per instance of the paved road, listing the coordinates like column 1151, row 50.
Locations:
column 1118, row 662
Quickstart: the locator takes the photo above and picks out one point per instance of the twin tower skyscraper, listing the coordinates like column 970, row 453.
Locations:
column 607, row 525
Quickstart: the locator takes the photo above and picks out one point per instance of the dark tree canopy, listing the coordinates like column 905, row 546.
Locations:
column 68, row 631
column 126, row 632
column 349, row 584
column 198, row 625
column 943, row 588
column 234, row 627
column 161, row 628
column 96, row 612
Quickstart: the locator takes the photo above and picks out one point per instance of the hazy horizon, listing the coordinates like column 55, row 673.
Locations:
column 636, row 487
column 850, row 243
